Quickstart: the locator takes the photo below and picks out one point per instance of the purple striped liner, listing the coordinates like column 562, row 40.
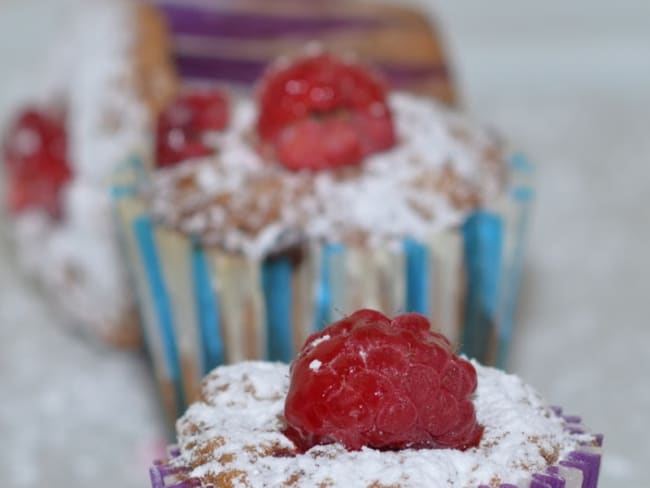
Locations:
column 249, row 25
column 226, row 42
column 164, row 475
column 586, row 461
column 199, row 67
column 579, row 469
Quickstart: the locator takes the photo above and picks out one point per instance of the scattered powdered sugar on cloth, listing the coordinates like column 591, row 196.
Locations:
column 235, row 434
column 442, row 167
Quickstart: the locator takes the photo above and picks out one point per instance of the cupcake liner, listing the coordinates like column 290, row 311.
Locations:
column 202, row 306
column 578, row 469
column 234, row 42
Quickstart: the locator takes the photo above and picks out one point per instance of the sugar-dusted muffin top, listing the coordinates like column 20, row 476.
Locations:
column 233, row 437
column 441, row 168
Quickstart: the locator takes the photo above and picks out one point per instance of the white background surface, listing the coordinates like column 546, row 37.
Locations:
column 569, row 83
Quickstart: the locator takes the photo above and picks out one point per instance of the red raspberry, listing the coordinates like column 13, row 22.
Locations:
column 36, row 164
column 183, row 123
column 387, row 384
column 321, row 112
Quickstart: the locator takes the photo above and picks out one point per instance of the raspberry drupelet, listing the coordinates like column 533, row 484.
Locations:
column 387, row 384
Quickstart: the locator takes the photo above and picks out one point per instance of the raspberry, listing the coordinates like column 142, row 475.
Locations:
column 183, row 123
column 36, row 164
column 371, row 381
column 321, row 112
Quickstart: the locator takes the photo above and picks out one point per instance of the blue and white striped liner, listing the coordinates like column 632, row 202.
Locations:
column 208, row 314
column 161, row 300
column 483, row 243
column 329, row 253
column 202, row 306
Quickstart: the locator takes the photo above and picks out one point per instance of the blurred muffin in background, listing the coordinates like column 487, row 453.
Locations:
column 108, row 76
column 266, row 217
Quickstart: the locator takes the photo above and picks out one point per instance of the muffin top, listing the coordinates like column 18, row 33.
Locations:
column 440, row 168
column 233, row 437
column 325, row 152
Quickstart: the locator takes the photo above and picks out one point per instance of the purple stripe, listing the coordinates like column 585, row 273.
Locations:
column 589, row 464
column 575, row 430
column 159, row 472
column 572, row 419
column 156, row 478
column 249, row 71
column 220, row 69
column 599, row 440
column 552, row 481
column 189, row 19
column 536, row 483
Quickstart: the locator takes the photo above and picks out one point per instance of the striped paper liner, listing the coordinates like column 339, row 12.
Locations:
column 234, row 41
column 579, row 469
column 202, row 306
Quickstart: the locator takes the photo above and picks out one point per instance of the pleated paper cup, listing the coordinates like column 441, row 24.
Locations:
column 203, row 306
column 233, row 42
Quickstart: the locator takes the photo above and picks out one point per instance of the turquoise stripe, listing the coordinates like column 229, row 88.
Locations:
column 144, row 233
column 277, row 287
column 207, row 308
column 418, row 277
column 323, row 315
column 483, row 242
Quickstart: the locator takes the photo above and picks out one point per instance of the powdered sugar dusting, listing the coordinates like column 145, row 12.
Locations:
column 442, row 167
column 236, row 432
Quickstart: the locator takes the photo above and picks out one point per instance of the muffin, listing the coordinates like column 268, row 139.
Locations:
column 233, row 42
column 384, row 200
column 373, row 402
column 97, row 98
column 106, row 75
